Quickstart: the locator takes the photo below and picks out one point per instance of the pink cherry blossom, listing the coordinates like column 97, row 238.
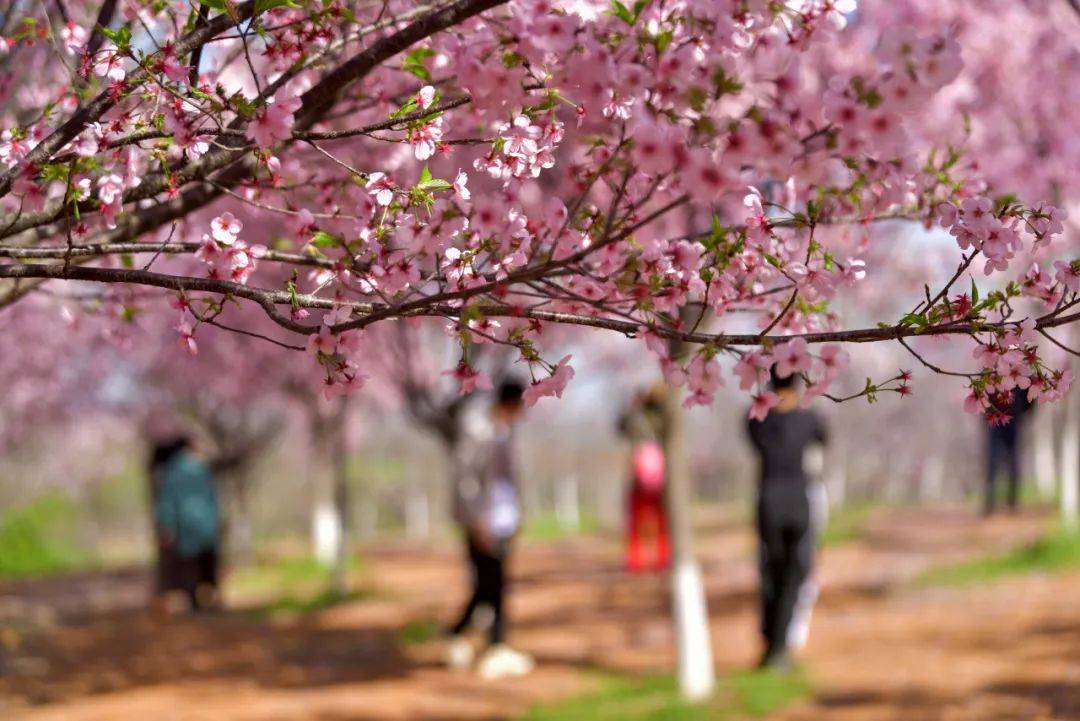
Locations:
column 225, row 228
column 274, row 122
column 461, row 187
column 1068, row 275
column 752, row 369
column 469, row 379
column 382, row 187
column 762, row 404
column 74, row 36
column 792, row 357
column 553, row 385
column 187, row 336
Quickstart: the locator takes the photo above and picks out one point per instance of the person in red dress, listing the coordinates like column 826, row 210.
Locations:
column 647, row 544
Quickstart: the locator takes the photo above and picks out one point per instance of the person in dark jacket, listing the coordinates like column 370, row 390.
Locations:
column 187, row 523
column 1004, row 424
column 786, row 533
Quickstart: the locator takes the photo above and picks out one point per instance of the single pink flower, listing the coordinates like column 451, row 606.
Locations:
column 553, row 385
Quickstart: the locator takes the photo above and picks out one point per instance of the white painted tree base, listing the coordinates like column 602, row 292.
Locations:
column 1070, row 465
column 325, row 533
column 1042, row 439
column 697, row 678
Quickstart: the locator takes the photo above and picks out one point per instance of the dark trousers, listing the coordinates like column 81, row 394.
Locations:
column 489, row 587
column 1002, row 455
column 190, row 574
column 787, row 540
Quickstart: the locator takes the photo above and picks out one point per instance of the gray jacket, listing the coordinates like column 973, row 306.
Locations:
column 485, row 476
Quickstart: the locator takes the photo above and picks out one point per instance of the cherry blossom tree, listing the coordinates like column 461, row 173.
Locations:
column 510, row 166
column 663, row 170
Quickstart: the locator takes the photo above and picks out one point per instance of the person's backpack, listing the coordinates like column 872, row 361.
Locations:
column 187, row 506
column 504, row 511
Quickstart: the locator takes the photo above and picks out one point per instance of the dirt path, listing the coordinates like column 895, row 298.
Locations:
column 880, row 648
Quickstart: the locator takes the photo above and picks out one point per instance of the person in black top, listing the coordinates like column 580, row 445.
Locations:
column 784, row 516
column 1004, row 422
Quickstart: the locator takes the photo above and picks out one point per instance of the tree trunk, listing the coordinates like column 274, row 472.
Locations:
column 340, row 464
column 1041, row 441
column 835, row 472
column 692, row 639
column 567, row 511
column 931, row 479
column 1070, row 465
column 368, row 526
column 417, row 514
column 241, row 540
column 330, row 496
column 325, row 524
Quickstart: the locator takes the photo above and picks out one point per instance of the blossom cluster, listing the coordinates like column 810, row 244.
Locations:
column 587, row 163
column 225, row 255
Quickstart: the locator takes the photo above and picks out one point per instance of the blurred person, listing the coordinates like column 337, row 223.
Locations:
column 1004, row 422
column 647, row 544
column 187, row 524
column 487, row 506
column 165, row 567
column 788, row 505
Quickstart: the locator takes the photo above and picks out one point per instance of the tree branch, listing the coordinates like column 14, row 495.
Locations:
column 269, row 300
column 104, row 18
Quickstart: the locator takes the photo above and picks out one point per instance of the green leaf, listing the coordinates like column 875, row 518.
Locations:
column 121, row 37
column 322, row 239
column 662, row 40
column 974, row 293
column 404, row 109
column 415, row 63
column 916, row 319
column 428, row 183
column 696, row 97
column 622, row 12
column 725, row 84
column 218, row 5
column 262, row 6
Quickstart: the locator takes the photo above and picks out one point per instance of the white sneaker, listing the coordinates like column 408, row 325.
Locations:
column 501, row 661
column 459, row 653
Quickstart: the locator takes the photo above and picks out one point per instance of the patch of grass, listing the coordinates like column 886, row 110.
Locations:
column 750, row 694
column 546, row 527
column 846, row 524
column 39, row 538
column 762, row 692
column 420, row 631
column 293, row 585
column 1055, row 552
column 290, row 574
column 303, row 605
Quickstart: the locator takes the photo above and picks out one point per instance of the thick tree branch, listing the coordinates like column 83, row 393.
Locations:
column 270, row 300
column 98, row 250
column 104, row 18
